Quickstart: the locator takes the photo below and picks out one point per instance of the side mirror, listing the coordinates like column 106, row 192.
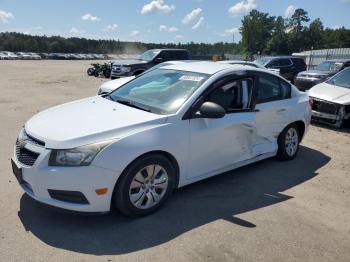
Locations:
column 211, row 110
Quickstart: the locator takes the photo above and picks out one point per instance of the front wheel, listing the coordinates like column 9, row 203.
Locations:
column 145, row 185
column 90, row 71
column 288, row 143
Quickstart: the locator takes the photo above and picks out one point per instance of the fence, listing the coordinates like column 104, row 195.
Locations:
column 315, row 57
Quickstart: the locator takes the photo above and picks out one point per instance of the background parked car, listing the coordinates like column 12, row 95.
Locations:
column 23, row 55
column 307, row 79
column 331, row 99
column 10, row 55
column 150, row 58
column 289, row 66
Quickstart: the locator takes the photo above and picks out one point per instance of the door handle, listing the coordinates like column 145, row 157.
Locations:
column 282, row 110
column 247, row 126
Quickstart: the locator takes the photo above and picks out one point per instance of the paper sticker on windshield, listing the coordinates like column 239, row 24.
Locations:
column 191, row 78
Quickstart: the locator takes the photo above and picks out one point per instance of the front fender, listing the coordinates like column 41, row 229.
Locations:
column 168, row 137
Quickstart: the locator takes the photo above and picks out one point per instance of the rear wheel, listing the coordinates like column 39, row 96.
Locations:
column 145, row 185
column 288, row 143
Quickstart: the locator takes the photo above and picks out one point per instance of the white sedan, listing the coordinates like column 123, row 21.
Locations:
column 331, row 99
column 165, row 129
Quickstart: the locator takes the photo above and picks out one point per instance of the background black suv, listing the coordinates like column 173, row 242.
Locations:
column 307, row 79
column 289, row 66
column 148, row 59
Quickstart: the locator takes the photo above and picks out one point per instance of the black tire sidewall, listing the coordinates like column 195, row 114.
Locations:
column 121, row 198
column 282, row 152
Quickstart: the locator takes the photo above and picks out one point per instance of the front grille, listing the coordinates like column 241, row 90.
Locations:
column 33, row 140
column 25, row 156
column 325, row 107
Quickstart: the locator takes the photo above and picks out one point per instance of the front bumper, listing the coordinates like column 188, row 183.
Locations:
column 39, row 179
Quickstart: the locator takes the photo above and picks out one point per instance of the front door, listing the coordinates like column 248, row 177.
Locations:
column 217, row 144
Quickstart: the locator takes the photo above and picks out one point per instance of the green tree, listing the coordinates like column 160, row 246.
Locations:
column 278, row 43
column 256, row 30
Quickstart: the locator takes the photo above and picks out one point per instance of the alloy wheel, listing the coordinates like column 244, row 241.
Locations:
column 148, row 186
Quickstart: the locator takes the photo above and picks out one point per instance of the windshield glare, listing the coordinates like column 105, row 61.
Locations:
column 262, row 61
column 341, row 79
column 162, row 91
column 149, row 55
column 329, row 66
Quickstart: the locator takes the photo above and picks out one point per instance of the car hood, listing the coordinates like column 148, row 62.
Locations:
column 129, row 62
column 316, row 73
column 87, row 121
column 332, row 93
column 114, row 84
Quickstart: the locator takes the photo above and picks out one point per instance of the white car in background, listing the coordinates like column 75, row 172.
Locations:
column 111, row 85
column 23, row 55
column 10, row 55
column 165, row 129
column 331, row 99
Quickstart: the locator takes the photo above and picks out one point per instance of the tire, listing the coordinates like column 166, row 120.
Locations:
column 137, row 192
column 90, row 71
column 288, row 143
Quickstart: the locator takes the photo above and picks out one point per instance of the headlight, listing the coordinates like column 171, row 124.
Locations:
column 126, row 69
column 79, row 156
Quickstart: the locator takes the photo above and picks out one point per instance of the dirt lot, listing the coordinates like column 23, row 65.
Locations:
column 268, row 211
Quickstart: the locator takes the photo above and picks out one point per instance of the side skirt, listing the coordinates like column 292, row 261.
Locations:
column 227, row 168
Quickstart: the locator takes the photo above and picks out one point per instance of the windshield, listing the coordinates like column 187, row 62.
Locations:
column 160, row 91
column 329, row 66
column 149, row 55
column 341, row 79
column 262, row 61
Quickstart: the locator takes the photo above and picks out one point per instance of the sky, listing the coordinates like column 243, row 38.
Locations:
column 155, row 20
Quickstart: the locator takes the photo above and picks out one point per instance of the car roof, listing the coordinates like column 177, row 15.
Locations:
column 168, row 49
column 236, row 61
column 204, row 67
column 337, row 60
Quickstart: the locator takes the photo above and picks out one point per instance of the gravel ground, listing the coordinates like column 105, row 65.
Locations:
column 268, row 211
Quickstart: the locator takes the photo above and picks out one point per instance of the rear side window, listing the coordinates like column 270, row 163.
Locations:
column 285, row 62
column 180, row 55
column 271, row 88
column 299, row 62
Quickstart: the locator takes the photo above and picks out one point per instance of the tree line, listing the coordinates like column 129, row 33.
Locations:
column 265, row 34
column 16, row 42
column 261, row 34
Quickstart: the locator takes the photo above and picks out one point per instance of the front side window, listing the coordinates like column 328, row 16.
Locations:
column 273, row 64
column 149, row 55
column 271, row 88
column 159, row 91
column 233, row 96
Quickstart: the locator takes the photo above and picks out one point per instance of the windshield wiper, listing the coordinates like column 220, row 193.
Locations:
column 129, row 103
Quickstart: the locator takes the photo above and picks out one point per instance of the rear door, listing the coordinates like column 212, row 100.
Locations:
column 217, row 144
column 273, row 104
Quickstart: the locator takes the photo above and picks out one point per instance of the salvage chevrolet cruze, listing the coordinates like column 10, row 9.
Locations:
column 170, row 127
